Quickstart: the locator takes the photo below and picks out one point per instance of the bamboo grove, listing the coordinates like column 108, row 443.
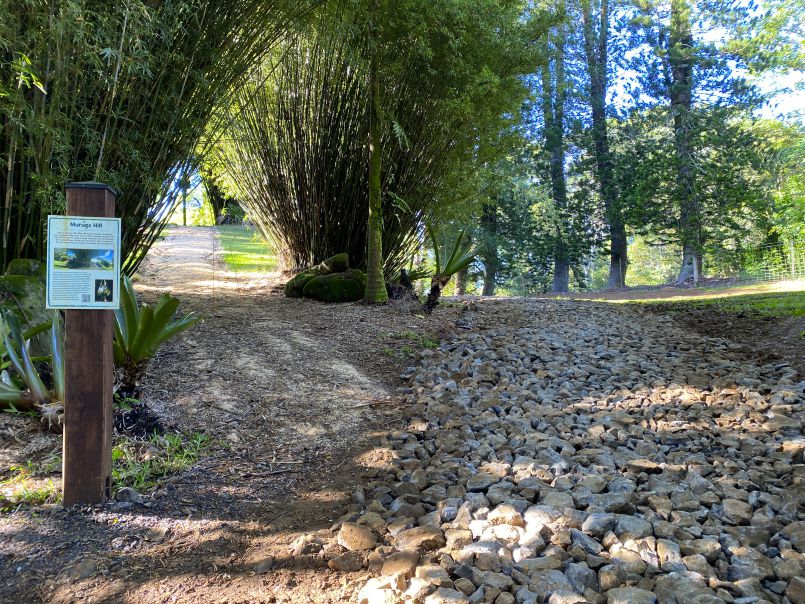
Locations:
column 118, row 92
column 296, row 144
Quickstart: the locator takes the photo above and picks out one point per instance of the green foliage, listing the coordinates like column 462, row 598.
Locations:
column 736, row 165
column 199, row 213
column 652, row 264
column 783, row 155
column 449, row 76
column 772, row 39
column 526, row 224
column 459, row 259
column 461, row 256
column 141, row 465
column 141, row 329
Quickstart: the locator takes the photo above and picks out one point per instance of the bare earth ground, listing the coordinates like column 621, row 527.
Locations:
column 292, row 393
column 296, row 396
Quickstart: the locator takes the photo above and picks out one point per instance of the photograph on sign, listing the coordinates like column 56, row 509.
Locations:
column 95, row 259
column 83, row 262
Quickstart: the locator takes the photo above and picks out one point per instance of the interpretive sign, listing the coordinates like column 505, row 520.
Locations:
column 83, row 262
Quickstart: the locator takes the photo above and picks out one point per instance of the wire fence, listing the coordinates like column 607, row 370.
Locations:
column 779, row 262
column 655, row 267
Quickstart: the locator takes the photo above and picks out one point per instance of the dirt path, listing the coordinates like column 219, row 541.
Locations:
column 292, row 393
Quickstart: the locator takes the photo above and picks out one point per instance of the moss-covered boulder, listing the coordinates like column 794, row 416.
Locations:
column 294, row 287
column 334, row 264
column 25, row 297
column 26, row 267
column 348, row 286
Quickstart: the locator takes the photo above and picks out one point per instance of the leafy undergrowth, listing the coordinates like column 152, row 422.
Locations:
column 31, row 484
column 141, row 464
column 137, row 463
column 244, row 251
column 775, row 305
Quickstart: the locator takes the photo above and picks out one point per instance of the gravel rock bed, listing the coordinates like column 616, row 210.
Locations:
column 565, row 452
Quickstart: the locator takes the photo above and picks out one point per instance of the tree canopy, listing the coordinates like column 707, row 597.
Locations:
column 554, row 133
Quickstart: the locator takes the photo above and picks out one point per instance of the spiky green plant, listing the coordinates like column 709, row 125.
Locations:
column 461, row 257
column 139, row 332
column 21, row 386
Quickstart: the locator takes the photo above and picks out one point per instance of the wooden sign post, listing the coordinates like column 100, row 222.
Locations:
column 87, row 453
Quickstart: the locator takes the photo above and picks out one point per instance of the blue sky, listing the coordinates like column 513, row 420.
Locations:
column 787, row 102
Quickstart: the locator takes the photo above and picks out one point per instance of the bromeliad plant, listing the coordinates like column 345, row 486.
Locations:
column 21, row 386
column 139, row 332
column 36, row 384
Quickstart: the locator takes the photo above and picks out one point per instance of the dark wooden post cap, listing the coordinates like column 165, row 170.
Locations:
column 89, row 184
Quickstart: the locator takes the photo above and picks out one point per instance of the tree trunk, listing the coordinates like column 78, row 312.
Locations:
column 595, row 47
column 580, row 275
column 184, row 205
column 561, row 275
column 375, row 283
column 618, row 260
column 221, row 204
column 553, row 109
column 490, row 276
column 462, row 277
column 436, row 287
column 680, row 58
column 489, row 254
column 691, row 270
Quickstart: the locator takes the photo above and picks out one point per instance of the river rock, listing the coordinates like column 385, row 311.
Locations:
column 555, row 455
column 422, row 537
column 630, row 595
column 355, row 537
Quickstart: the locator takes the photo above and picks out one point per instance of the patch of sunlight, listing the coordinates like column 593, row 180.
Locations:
column 679, row 294
column 245, row 251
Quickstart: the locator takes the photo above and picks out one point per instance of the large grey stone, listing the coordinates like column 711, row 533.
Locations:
column 630, row 595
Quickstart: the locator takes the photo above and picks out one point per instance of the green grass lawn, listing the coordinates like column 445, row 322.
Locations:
column 244, row 251
column 778, row 304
